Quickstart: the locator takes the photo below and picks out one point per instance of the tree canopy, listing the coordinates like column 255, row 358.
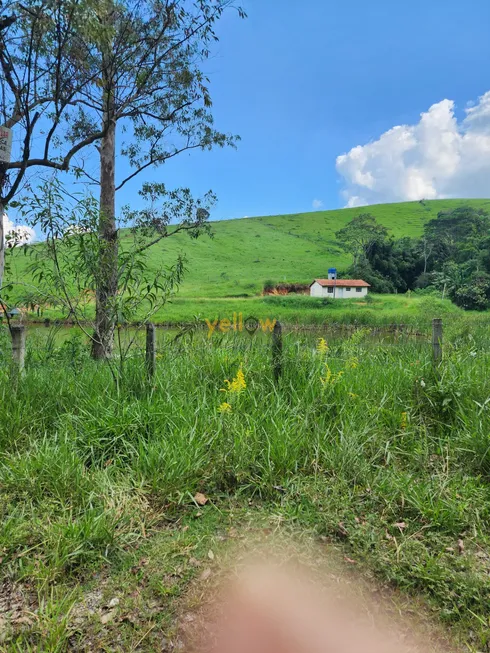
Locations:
column 359, row 235
column 86, row 82
column 452, row 256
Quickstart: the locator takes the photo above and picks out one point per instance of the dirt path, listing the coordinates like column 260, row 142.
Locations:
column 161, row 598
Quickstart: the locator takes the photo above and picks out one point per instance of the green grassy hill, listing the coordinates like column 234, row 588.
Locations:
column 226, row 273
column 283, row 248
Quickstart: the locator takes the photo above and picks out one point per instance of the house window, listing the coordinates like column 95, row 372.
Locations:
column 348, row 289
column 358, row 289
column 330, row 289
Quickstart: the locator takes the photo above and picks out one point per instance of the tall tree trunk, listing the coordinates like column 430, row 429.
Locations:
column 107, row 282
column 2, row 230
column 2, row 245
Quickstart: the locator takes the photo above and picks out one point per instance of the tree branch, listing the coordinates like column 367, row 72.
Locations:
column 65, row 163
column 156, row 160
column 6, row 21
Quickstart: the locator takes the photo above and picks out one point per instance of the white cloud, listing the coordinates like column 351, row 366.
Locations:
column 17, row 234
column 436, row 158
column 317, row 204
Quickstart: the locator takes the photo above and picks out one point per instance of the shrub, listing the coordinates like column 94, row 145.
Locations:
column 473, row 296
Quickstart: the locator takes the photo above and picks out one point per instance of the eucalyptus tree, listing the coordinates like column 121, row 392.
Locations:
column 150, row 100
column 112, row 68
column 64, row 271
column 42, row 43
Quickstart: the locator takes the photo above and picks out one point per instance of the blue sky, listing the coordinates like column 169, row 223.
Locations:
column 303, row 81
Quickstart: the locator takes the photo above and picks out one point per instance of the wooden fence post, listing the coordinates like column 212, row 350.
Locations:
column 18, row 333
column 277, row 350
column 437, row 339
column 151, row 349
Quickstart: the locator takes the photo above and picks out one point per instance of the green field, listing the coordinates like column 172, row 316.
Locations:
column 364, row 448
column 226, row 273
column 298, row 310
column 284, row 248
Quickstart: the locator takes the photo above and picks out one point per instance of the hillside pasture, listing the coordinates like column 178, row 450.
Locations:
column 245, row 253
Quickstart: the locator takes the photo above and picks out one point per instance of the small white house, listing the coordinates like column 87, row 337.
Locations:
column 339, row 288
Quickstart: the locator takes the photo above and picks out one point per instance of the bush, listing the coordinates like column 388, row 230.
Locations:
column 473, row 296
column 379, row 284
column 269, row 285
column 428, row 291
column 285, row 288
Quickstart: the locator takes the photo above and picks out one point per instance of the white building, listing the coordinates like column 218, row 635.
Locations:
column 339, row 288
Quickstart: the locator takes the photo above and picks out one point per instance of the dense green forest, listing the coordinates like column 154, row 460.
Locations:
column 451, row 257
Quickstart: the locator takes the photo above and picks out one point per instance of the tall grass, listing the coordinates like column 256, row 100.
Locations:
column 366, row 441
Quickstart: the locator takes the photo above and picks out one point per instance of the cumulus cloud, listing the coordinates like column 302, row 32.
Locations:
column 438, row 157
column 17, row 234
column 317, row 204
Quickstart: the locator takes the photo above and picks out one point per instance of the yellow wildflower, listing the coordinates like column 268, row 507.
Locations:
column 352, row 363
column 330, row 377
column 237, row 384
column 403, row 421
column 321, row 346
column 225, row 407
